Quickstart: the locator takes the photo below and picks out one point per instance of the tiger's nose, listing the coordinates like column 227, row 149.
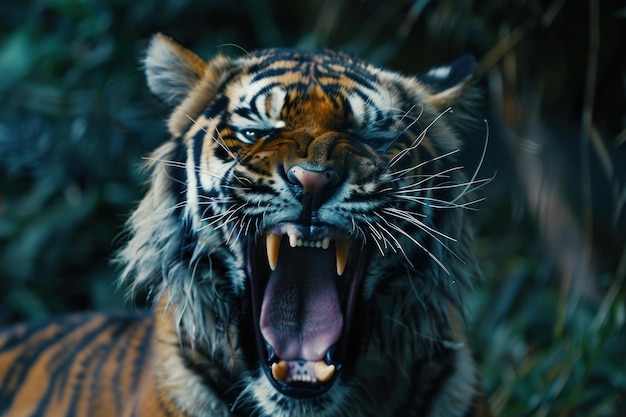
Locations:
column 316, row 186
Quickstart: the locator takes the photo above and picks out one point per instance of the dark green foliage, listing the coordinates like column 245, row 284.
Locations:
column 548, row 321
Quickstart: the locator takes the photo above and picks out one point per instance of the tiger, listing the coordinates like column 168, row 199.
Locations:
column 304, row 244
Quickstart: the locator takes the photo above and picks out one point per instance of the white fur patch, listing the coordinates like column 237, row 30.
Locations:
column 191, row 208
column 440, row 72
column 266, row 105
column 275, row 404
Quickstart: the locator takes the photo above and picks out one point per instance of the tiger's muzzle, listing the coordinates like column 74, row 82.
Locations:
column 305, row 278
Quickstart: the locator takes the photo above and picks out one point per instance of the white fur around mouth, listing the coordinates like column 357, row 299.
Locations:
column 273, row 241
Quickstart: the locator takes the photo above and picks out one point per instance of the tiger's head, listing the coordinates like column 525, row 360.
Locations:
column 305, row 225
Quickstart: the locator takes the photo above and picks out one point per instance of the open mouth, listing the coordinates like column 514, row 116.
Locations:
column 304, row 283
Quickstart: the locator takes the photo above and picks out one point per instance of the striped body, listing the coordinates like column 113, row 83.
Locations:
column 97, row 365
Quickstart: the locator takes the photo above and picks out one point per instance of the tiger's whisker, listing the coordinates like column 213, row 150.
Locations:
column 480, row 163
column 403, row 172
column 440, row 174
column 183, row 165
column 405, row 215
column 418, row 140
column 219, row 140
column 431, row 232
column 437, row 203
column 442, row 186
column 397, row 243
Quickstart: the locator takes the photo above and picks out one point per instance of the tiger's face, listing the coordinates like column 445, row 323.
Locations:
column 307, row 217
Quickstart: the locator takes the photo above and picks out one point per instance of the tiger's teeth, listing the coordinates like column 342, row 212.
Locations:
column 293, row 240
column 272, row 244
column 323, row 372
column 342, row 246
column 280, row 370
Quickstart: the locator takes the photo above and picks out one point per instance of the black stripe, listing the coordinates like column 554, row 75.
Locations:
column 133, row 411
column 165, row 408
column 266, row 89
column 212, row 376
column 117, row 376
column 244, row 112
column 116, row 383
column 271, row 72
column 178, row 173
column 217, row 107
column 232, row 73
column 198, row 142
column 142, row 353
column 363, row 79
column 22, row 332
column 141, row 356
column 362, row 95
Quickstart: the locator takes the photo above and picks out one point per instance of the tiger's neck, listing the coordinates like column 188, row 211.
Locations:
column 183, row 378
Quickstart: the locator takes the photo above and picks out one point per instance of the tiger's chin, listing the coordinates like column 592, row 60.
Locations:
column 304, row 284
column 275, row 404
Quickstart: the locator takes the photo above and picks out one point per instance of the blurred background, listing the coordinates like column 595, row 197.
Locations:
column 548, row 321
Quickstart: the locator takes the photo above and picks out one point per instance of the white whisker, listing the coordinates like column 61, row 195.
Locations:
column 414, row 188
column 437, row 203
column 182, row 165
column 403, row 172
column 219, row 140
column 418, row 140
column 429, row 177
column 408, row 217
column 377, row 237
column 415, row 241
column 480, row 163
column 398, row 245
column 442, row 204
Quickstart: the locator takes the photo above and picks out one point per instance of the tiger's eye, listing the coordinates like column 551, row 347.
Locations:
column 252, row 135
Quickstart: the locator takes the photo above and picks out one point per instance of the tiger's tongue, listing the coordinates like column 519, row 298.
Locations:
column 300, row 313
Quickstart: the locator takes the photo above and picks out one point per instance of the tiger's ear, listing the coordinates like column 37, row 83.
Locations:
column 182, row 80
column 172, row 71
column 447, row 83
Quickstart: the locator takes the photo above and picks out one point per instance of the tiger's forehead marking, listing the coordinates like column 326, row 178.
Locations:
column 306, row 87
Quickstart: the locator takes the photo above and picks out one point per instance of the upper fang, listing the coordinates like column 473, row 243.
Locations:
column 272, row 244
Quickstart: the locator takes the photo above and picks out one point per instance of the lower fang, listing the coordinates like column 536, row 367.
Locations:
column 323, row 372
column 280, row 370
